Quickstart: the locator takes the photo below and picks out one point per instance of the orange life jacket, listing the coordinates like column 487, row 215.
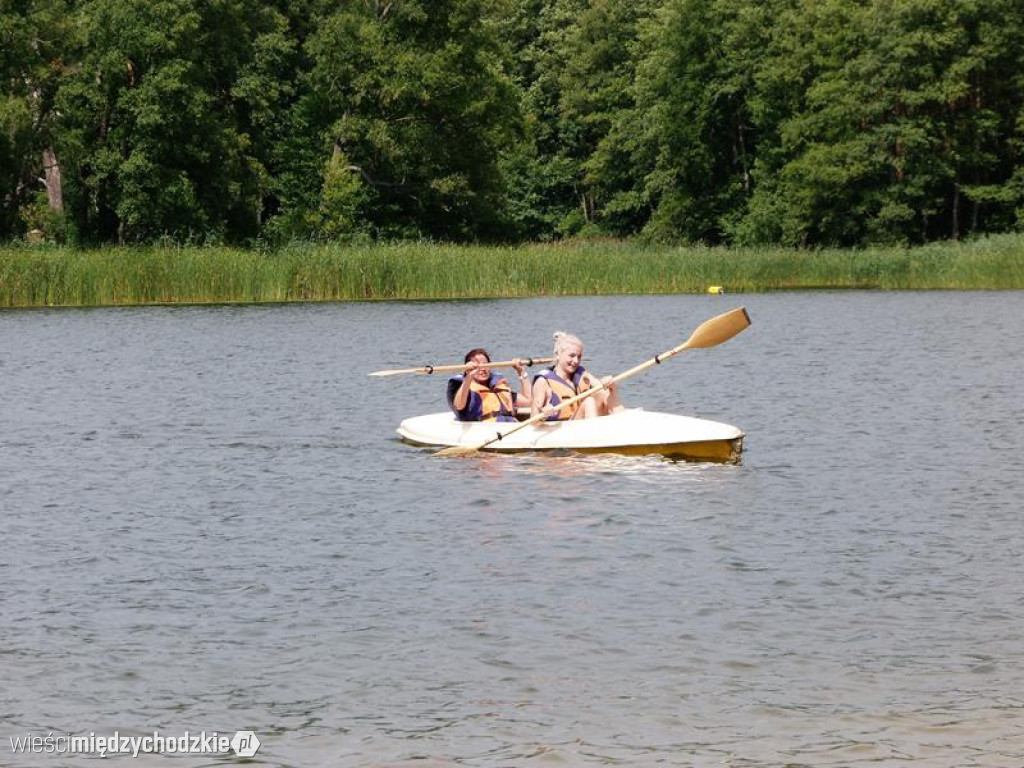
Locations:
column 493, row 401
column 563, row 390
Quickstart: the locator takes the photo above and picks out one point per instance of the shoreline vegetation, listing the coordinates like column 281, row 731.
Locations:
column 47, row 275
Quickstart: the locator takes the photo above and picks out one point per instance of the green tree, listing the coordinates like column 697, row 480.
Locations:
column 574, row 64
column 902, row 134
column 412, row 96
column 161, row 115
column 35, row 38
column 691, row 137
column 598, row 86
column 542, row 168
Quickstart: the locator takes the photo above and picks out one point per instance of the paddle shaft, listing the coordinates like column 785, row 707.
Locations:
column 709, row 334
column 466, row 367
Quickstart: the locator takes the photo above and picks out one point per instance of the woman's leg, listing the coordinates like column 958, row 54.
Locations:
column 589, row 408
column 612, row 403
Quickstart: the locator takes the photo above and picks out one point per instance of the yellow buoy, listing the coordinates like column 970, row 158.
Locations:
column 715, row 289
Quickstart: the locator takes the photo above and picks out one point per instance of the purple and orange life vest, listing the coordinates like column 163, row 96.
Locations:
column 563, row 390
column 493, row 401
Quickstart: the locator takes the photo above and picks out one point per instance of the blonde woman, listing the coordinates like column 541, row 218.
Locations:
column 567, row 378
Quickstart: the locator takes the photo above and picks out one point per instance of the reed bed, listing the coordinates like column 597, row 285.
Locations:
column 32, row 276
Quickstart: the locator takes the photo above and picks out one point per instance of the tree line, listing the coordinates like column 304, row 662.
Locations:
column 793, row 122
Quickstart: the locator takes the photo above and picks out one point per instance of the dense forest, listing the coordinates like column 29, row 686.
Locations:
column 793, row 122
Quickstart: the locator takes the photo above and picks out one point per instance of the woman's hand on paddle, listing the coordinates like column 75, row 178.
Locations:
column 592, row 382
column 525, row 398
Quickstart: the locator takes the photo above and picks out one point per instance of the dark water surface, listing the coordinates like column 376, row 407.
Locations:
column 208, row 524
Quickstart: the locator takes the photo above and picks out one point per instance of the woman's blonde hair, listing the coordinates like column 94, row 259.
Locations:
column 562, row 338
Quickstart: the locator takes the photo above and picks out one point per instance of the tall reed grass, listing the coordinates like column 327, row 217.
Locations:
column 56, row 276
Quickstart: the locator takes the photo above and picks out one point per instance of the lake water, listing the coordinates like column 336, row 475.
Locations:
column 209, row 525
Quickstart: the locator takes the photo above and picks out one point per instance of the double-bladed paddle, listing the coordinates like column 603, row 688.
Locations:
column 527, row 361
column 710, row 333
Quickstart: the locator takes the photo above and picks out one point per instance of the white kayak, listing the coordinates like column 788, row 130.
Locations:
column 632, row 431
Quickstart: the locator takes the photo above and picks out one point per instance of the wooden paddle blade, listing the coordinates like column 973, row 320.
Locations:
column 713, row 332
column 425, row 369
column 458, row 450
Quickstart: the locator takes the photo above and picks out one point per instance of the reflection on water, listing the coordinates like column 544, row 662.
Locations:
column 567, row 463
column 209, row 525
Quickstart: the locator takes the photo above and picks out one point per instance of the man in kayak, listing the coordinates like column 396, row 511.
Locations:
column 479, row 395
column 567, row 378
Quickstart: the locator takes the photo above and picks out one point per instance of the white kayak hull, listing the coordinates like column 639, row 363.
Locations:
column 632, row 431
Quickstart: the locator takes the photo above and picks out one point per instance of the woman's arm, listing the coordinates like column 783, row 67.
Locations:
column 525, row 398
column 540, row 397
column 462, row 395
